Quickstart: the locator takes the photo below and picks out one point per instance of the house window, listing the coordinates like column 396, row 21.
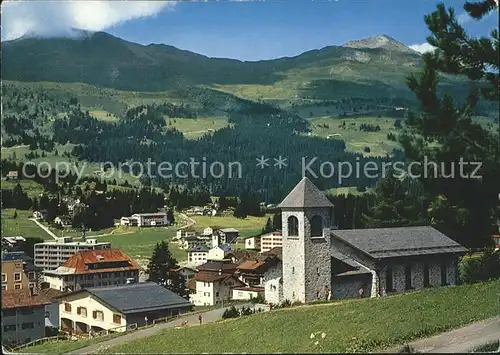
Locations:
column 18, row 286
column 99, row 315
column 9, row 328
column 388, row 279
column 82, row 311
column 317, row 271
column 426, row 275
column 408, row 285
column 443, row 275
column 117, row 319
column 293, row 269
column 316, row 226
column 4, row 277
column 67, row 307
column 17, row 276
column 4, row 287
column 217, row 294
column 293, row 226
column 28, row 325
column 31, row 276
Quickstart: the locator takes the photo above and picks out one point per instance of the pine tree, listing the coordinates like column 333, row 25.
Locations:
column 277, row 220
column 161, row 270
column 451, row 126
column 170, row 216
column 269, row 225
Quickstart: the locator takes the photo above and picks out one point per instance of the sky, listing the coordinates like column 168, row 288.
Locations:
column 245, row 30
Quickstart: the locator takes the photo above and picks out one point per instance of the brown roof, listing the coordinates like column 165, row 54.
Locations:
column 251, row 265
column 206, row 276
column 276, row 251
column 21, row 298
column 83, row 258
column 50, row 293
column 249, row 288
column 215, row 266
column 243, row 254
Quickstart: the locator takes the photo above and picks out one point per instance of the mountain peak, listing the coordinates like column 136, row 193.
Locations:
column 380, row 41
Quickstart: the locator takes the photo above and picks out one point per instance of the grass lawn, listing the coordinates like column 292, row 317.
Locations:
column 103, row 115
column 247, row 227
column 193, row 128
column 140, row 242
column 349, row 326
column 31, row 187
column 21, row 225
column 352, row 190
column 357, row 140
column 64, row 346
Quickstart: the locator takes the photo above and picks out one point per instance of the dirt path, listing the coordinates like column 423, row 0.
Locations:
column 460, row 340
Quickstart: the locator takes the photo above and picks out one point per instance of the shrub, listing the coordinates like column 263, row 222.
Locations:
column 231, row 313
column 285, row 304
column 259, row 299
column 476, row 269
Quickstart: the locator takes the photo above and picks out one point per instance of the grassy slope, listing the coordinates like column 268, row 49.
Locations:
column 355, row 139
column 349, row 326
column 21, row 225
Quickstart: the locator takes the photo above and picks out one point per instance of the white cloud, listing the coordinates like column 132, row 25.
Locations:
column 46, row 18
column 423, row 47
column 463, row 18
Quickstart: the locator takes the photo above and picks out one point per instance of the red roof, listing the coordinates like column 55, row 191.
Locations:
column 83, row 258
column 21, row 298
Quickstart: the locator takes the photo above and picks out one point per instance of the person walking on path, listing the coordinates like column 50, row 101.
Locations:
column 200, row 318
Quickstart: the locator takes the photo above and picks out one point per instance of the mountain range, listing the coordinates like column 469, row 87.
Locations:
column 104, row 60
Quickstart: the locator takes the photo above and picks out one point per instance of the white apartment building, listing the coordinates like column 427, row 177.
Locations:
column 270, row 241
column 151, row 219
column 52, row 254
column 197, row 255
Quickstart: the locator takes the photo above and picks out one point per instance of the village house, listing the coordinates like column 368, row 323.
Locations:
column 251, row 271
column 52, row 307
column 244, row 293
column 193, row 242
column 52, row 254
column 63, row 221
column 272, row 279
column 23, row 316
column 12, row 243
column 19, row 272
column 213, row 283
column 90, row 268
column 238, row 256
column 197, row 255
column 320, row 262
column 252, row 243
column 146, row 220
column 117, row 308
column 270, row 241
column 219, row 253
column 12, row 176
column 187, row 272
column 224, row 236
column 185, row 233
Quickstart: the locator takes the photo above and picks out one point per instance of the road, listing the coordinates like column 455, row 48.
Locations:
column 191, row 221
column 460, row 340
column 44, row 228
column 208, row 317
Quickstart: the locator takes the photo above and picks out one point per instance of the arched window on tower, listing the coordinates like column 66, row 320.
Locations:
column 316, row 226
column 293, row 226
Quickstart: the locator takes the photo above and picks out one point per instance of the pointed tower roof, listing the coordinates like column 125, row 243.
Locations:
column 305, row 194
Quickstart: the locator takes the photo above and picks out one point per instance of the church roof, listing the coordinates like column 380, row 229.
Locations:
column 398, row 242
column 305, row 194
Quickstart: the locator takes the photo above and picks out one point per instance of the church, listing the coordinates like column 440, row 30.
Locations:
column 321, row 262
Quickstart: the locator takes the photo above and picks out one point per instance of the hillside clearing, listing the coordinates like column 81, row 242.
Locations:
column 349, row 326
